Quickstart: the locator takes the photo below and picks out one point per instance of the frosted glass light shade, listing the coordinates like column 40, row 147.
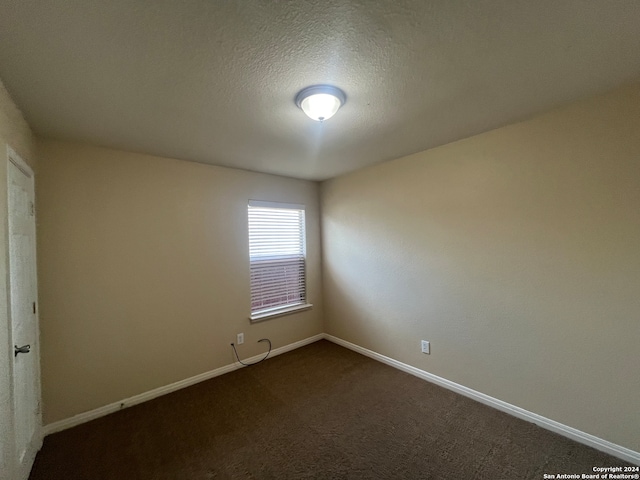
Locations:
column 320, row 106
column 320, row 102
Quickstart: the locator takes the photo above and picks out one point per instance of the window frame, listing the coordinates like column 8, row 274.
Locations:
column 285, row 309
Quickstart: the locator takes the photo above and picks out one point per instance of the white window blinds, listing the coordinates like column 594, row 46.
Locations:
column 277, row 256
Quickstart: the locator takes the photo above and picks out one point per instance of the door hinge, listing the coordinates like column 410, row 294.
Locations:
column 32, row 209
column 34, row 307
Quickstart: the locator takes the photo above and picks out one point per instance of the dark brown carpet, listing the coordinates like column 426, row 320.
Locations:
column 318, row 412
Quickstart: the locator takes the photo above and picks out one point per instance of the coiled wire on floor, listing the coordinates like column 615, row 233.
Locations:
column 254, row 363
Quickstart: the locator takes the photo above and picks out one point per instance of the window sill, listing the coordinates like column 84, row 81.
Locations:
column 278, row 312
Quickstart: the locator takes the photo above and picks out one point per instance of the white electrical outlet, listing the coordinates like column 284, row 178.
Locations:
column 424, row 345
column 240, row 338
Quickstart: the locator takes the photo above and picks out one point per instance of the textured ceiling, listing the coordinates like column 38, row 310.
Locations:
column 214, row 81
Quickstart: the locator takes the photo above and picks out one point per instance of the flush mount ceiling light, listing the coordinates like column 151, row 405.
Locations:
column 320, row 102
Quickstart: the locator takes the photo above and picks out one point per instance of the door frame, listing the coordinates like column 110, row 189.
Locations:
column 21, row 471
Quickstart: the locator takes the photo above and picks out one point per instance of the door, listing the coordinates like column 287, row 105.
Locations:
column 23, row 311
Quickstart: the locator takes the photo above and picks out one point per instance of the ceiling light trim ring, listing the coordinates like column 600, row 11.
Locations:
column 316, row 89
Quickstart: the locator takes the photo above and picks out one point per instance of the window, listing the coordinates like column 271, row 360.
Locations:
column 277, row 257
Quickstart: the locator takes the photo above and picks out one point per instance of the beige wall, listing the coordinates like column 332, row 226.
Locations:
column 515, row 252
column 14, row 132
column 144, row 272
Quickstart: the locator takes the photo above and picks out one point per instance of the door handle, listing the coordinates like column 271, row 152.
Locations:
column 23, row 349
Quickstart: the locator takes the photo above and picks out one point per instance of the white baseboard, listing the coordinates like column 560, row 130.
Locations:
column 564, row 430
column 157, row 392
